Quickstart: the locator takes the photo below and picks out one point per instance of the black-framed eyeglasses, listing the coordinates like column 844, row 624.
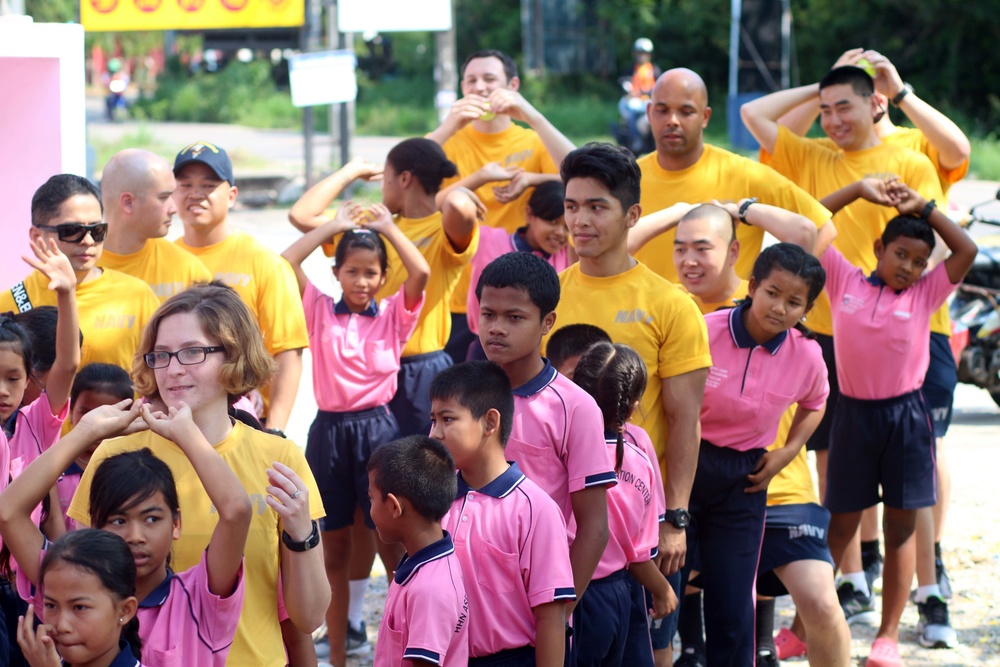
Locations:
column 74, row 232
column 189, row 356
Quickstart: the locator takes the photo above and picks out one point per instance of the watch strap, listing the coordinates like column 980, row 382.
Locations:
column 747, row 203
column 310, row 542
column 907, row 89
column 926, row 213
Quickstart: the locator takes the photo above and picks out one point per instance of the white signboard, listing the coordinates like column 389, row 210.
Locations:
column 323, row 77
column 393, row 15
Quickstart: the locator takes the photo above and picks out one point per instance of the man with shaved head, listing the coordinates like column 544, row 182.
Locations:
column 137, row 188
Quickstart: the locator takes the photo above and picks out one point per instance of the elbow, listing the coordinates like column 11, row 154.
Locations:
column 237, row 511
column 806, row 238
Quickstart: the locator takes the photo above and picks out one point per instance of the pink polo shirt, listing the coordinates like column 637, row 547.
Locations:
column 750, row 385
column 638, row 437
column 356, row 355
column 35, row 431
column 181, row 622
column 426, row 615
column 633, row 521
column 510, row 538
column 496, row 241
column 558, row 439
column 880, row 336
column 66, row 486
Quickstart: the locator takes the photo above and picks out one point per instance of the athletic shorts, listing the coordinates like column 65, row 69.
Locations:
column 939, row 384
column 337, row 450
column 601, row 620
column 512, row 657
column 886, row 443
column 662, row 630
column 412, row 403
column 820, row 439
column 791, row 533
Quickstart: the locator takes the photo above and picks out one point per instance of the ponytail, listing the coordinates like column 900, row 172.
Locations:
column 130, row 634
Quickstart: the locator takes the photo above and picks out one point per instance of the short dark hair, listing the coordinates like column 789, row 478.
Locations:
column 423, row 158
column 790, row 257
column 365, row 239
column 106, row 378
column 548, row 201
column 47, row 200
column 418, row 469
column 573, row 340
column 125, row 480
column 523, row 271
column 40, row 322
column 857, row 78
column 909, row 226
column 509, row 66
column 478, row 386
column 613, row 166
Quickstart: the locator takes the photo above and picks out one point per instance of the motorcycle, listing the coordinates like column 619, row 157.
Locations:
column 632, row 129
column 975, row 313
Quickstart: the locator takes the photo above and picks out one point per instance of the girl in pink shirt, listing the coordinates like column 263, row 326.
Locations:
column 186, row 618
column 604, row 633
column 356, row 343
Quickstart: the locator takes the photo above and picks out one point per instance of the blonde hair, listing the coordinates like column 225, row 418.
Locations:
column 226, row 319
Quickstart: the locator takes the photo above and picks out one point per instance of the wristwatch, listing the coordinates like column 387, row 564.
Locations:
column 310, row 542
column 680, row 518
column 743, row 209
column 926, row 213
column 907, row 89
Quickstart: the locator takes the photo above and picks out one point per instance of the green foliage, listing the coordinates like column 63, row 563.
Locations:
column 493, row 24
column 51, row 11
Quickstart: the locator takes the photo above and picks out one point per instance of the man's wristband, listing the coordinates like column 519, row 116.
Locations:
column 907, row 89
column 743, row 209
column 926, row 213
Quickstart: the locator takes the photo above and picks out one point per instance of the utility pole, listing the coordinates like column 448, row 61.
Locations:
column 445, row 68
column 310, row 40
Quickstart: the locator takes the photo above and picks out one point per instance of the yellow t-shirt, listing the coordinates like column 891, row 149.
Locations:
column 820, row 171
column 725, row 176
column 516, row 146
column 249, row 453
column 651, row 315
column 794, row 484
column 162, row 265
column 113, row 311
column 434, row 324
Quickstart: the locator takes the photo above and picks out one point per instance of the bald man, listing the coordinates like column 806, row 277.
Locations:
column 136, row 189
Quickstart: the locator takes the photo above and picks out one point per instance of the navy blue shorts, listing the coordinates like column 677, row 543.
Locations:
column 337, row 449
column 791, row 533
column 412, row 403
column 601, row 620
column 660, row 631
column 887, row 443
column 939, row 384
column 512, row 657
column 638, row 644
column 820, row 439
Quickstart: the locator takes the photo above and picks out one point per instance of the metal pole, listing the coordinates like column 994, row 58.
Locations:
column 310, row 39
column 786, row 44
column 734, row 48
column 445, row 68
column 332, row 115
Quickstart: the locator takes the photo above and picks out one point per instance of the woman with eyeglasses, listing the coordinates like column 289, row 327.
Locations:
column 201, row 351
column 113, row 306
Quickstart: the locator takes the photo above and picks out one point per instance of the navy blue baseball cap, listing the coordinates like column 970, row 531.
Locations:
column 209, row 154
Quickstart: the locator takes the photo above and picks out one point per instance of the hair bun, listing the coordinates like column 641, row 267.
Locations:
column 448, row 169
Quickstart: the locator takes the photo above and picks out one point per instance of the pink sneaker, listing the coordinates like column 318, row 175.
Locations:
column 789, row 645
column 884, row 653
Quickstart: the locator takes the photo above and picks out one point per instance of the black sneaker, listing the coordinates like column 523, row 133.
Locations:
column 934, row 626
column 873, row 572
column 858, row 607
column 357, row 640
column 767, row 658
column 690, row 658
column 943, row 582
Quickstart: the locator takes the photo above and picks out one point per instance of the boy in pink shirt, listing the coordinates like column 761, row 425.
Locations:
column 881, row 427
column 411, row 486
column 557, row 437
column 509, row 534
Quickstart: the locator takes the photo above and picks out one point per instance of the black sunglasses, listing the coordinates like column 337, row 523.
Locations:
column 74, row 232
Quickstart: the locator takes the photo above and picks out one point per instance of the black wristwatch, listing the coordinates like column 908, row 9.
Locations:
column 310, row 542
column 907, row 89
column 680, row 518
column 926, row 213
column 743, row 209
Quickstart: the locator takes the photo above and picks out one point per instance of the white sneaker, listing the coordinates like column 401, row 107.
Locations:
column 934, row 626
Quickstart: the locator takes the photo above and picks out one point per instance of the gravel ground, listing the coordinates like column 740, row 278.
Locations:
column 972, row 553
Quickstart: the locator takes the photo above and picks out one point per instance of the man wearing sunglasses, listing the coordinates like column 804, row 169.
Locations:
column 136, row 189
column 113, row 307
column 205, row 192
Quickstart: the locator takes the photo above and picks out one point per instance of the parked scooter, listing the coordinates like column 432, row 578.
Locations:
column 975, row 313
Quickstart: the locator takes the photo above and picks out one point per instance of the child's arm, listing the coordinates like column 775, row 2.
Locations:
column 649, row 575
column 17, row 502
column 590, row 507
column 309, row 212
column 652, row 225
column 225, row 549
column 784, row 225
column 303, row 575
column 804, row 423
column 963, row 249
column 54, row 525
column 461, row 211
column 417, row 269
column 49, row 260
column 296, row 253
column 491, row 172
column 884, row 191
column 521, row 182
column 550, row 634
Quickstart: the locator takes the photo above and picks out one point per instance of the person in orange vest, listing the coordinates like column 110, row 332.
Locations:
column 638, row 87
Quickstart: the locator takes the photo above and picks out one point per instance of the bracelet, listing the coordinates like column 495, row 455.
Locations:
column 926, row 213
column 907, row 89
column 743, row 210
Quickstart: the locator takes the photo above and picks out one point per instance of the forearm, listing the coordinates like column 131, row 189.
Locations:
column 783, row 225
column 647, row 574
column 963, row 248
column 284, row 387
column 550, row 634
column 458, row 216
column 304, row 246
column 804, row 424
column 944, row 135
column 445, row 131
column 761, row 115
column 308, row 212
column 587, row 549
column 305, row 587
column 842, row 197
column 801, row 118
column 648, row 227
column 224, row 489
column 67, row 361
column 557, row 145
